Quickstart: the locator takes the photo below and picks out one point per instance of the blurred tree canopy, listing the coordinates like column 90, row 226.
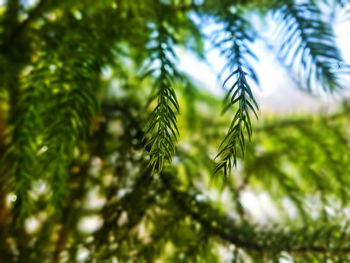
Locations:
column 110, row 153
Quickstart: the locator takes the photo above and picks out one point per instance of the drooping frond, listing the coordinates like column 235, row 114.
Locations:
column 74, row 106
column 308, row 44
column 236, row 51
column 234, row 141
column 54, row 114
column 162, row 128
column 20, row 160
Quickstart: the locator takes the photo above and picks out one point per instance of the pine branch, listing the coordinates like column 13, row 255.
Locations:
column 307, row 37
column 240, row 92
column 317, row 239
column 53, row 115
column 19, row 162
column 74, row 107
column 241, row 123
column 162, row 127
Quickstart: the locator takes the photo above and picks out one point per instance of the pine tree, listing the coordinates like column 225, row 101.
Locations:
column 98, row 124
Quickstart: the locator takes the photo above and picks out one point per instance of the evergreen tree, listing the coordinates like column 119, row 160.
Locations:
column 110, row 153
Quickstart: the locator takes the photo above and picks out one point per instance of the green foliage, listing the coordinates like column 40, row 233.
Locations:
column 162, row 124
column 240, row 92
column 307, row 37
column 93, row 104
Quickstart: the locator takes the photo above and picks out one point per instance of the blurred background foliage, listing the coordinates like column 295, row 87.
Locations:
column 110, row 153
